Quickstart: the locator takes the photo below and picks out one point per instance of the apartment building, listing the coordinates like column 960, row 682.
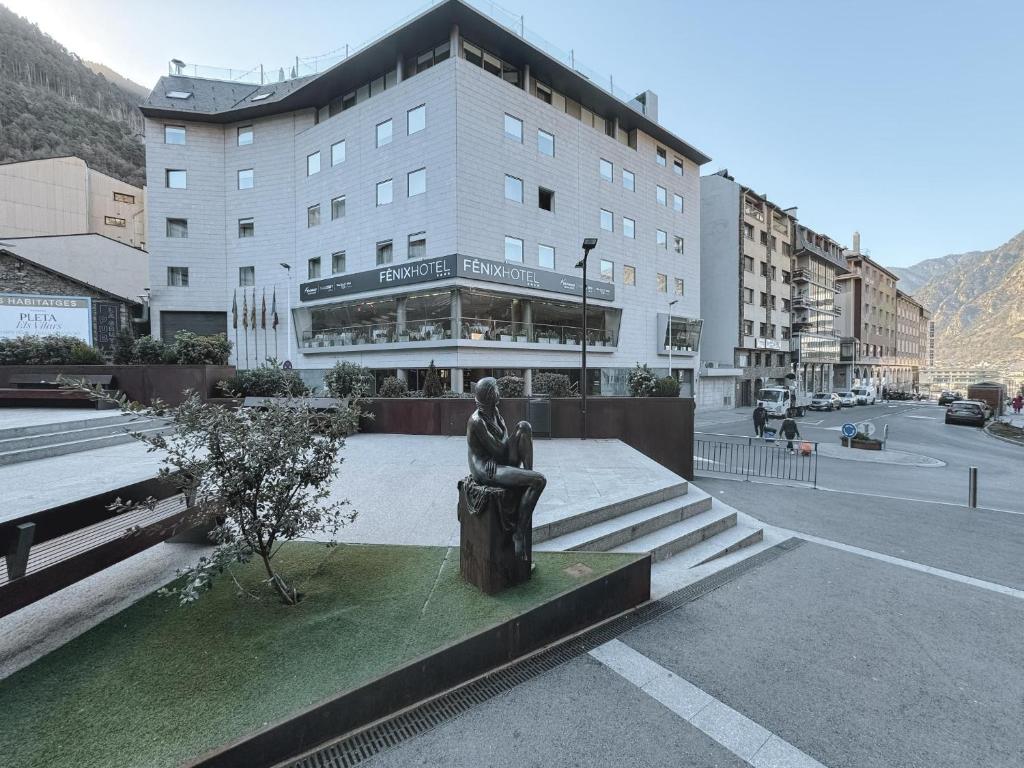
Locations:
column 912, row 340
column 426, row 200
column 747, row 247
column 64, row 196
column 818, row 262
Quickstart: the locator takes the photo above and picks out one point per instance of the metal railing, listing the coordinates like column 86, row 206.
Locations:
column 757, row 457
column 379, row 333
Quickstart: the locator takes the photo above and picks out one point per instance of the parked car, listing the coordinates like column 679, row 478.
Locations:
column 865, row 395
column 846, row 399
column 825, row 401
column 949, row 397
column 969, row 412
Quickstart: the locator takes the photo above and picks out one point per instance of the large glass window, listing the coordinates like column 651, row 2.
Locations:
column 176, row 179
column 662, row 238
column 546, row 256
column 246, row 179
column 417, row 182
column 660, row 157
column 177, row 227
column 384, row 192
column 628, row 275
column 177, row 277
column 513, row 128
column 312, row 163
column 417, row 245
column 337, row 262
column 416, row 119
column 246, row 227
column 174, row 134
column 628, row 228
column 545, row 199
column 337, row 207
column 545, row 143
column 629, row 180
column 607, row 170
column 385, row 252
column 677, row 203
column 607, row 220
column 313, row 215
column 607, row 270
column 513, row 189
column 246, row 276
column 677, row 166
column 245, row 135
column 338, row 152
column 677, row 244
column 514, row 249
column 682, row 334
column 661, row 195
column 662, row 283
column 313, row 268
column 384, row 133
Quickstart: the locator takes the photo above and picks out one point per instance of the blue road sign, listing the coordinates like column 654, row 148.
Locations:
column 849, row 430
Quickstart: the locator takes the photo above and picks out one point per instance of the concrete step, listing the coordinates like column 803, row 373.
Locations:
column 55, row 437
column 74, row 446
column 624, row 528
column 561, row 526
column 62, row 426
column 677, row 537
column 721, row 544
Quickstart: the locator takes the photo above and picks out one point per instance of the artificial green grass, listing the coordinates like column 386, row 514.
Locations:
column 158, row 684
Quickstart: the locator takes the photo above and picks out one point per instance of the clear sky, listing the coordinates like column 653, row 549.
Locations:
column 903, row 119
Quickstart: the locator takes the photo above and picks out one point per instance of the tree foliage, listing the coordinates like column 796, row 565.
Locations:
column 269, row 380
column 432, row 386
column 552, row 384
column 348, row 380
column 48, row 350
column 641, row 381
column 393, row 386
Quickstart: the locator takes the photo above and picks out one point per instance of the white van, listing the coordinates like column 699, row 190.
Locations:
column 865, row 395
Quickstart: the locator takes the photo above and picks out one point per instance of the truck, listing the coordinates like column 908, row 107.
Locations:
column 784, row 400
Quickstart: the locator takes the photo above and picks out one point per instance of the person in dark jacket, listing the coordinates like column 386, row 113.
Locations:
column 790, row 432
column 760, row 417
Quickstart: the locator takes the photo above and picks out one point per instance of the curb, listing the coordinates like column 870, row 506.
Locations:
column 1009, row 440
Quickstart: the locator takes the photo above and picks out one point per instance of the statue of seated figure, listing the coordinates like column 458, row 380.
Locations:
column 501, row 459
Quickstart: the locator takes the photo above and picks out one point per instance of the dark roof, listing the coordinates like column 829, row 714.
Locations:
column 220, row 101
column 67, row 277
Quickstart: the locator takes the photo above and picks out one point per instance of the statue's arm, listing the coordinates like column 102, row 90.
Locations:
column 492, row 446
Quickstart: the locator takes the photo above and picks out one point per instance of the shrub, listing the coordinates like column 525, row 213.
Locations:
column 552, row 385
column 270, row 380
column 667, row 386
column 432, row 386
column 511, row 386
column 150, row 350
column 641, row 381
column 348, row 380
column 191, row 349
column 48, row 350
column 393, row 386
column 123, row 347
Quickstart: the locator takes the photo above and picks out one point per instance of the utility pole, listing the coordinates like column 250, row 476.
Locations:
column 588, row 245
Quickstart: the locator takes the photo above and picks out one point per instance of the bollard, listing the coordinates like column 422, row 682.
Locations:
column 972, row 488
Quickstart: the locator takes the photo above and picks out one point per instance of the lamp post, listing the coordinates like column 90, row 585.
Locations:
column 670, row 305
column 589, row 244
column 288, row 309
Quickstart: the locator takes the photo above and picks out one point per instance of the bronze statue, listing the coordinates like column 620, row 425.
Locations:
column 499, row 459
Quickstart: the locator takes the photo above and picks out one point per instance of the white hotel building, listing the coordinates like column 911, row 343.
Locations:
column 426, row 199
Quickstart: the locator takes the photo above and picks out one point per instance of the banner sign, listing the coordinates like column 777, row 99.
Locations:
column 26, row 315
column 450, row 266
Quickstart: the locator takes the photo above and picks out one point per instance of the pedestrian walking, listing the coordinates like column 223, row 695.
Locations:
column 760, row 417
column 790, row 432
column 1018, row 403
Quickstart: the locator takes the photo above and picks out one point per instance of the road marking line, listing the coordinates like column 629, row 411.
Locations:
column 920, row 501
column 991, row 586
column 930, row 418
column 734, row 731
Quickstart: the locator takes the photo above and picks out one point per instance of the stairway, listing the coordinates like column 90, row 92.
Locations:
column 41, row 441
column 665, row 522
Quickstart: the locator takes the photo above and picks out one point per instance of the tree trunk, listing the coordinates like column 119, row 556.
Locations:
column 287, row 594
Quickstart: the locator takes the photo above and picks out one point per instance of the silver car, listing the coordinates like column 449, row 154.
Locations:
column 825, row 401
column 846, row 399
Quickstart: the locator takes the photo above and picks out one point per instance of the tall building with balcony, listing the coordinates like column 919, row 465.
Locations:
column 818, row 261
column 912, row 329
column 425, row 200
column 747, row 247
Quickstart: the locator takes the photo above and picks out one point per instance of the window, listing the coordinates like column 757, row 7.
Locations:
column 662, row 238
column 513, row 249
column 775, row 273
column 546, row 256
column 545, row 199
column 178, row 94
column 177, row 227
column 680, row 287
column 337, row 262
column 661, row 158
column 514, row 128
column 244, row 135
column 785, row 277
column 748, row 231
column 384, row 133
column 246, row 276
column 662, row 283
column 544, row 93
column 261, row 96
column 177, row 277
column 313, row 268
column 607, row 270
column 385, row 252
column 313, row 215
column 662, row 195
column 764, row 269
column 312, row 163
column 513, row 189
column 628, row 275
column 384, row 193
column 607, row 170
column 763, row 329
column 764, row 237
column 628, row 180
column 677, row 244
column 175, row 179
column 677, row 166
column 417, row 248
column 174, row 134
column 764, row 299
column 607, row 220
column 748, row 295
column 748, row 327
column 113, row 221
column 338, row 152
column 677, row 203
column 337, row 207
column 246, row 180
column 417, row 182
column 545, row 143
column 122, row 197
column 748, row 263
column 416, row 119
column 628, row 228
column 246, row 227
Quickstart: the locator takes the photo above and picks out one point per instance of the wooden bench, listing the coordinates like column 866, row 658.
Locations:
column 46, row 389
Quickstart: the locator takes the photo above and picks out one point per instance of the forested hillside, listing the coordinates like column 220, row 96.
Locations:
column 52, row 104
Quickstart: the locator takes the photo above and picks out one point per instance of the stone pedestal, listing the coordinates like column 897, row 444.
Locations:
column 487, row 557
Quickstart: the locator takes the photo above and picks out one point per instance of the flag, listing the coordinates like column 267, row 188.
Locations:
column 273, row 310
column 234, row 310
column 263, row 311
column 245, row 311
column 253, row 319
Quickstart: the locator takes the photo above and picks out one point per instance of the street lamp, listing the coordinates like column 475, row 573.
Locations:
column 589, row 244
column 670, row 305
column 288, row 309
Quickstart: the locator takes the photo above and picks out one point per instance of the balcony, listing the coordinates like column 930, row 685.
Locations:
column 753, row 211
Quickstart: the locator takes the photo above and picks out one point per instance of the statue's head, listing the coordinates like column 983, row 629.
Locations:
column 486, row 391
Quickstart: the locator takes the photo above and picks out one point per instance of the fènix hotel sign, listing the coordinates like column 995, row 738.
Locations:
column 25, row 315
column 454, row 265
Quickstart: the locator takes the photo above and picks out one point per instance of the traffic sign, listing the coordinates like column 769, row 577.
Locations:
column 867, row 428
column 849, row 430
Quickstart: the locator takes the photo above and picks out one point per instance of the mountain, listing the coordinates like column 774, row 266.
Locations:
column 52, row 104
column 118, row 79
column 977, row 304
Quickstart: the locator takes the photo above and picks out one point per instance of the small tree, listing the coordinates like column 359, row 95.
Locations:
column 149, row 349
column 432, row 386
column 348, row 380
column 192, row 349
column 511, row 386
column 552, row 384
column 269, row 380
column 641, row 381
column 667, row 386
column 123, row 346
column 393, row 386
